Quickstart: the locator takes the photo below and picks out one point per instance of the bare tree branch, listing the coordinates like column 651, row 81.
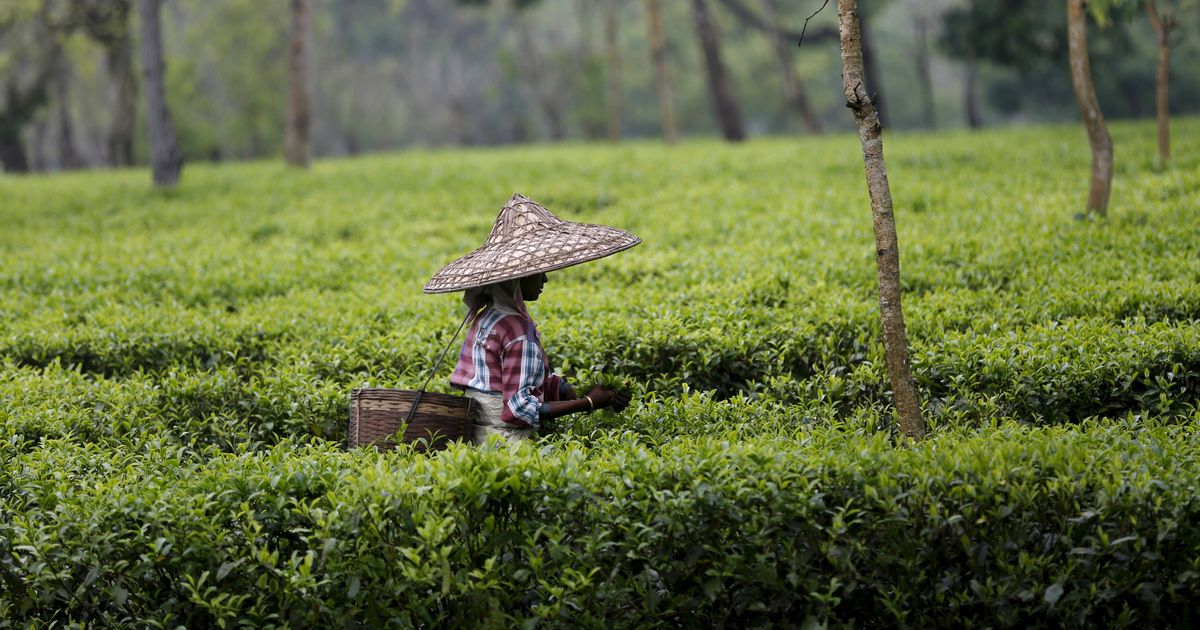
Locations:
column 806, row 21
column 749, row 17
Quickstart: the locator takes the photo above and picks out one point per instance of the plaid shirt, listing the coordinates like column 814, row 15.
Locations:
column 503, row 354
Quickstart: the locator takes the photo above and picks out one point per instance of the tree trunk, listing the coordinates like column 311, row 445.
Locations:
column 1162, row 32
column 296, row 138
column 872, row 78
column 37, row 159
column 458, row 97
column 662, row 81
column 924, row 75
column 887, row 259
column 585, row 28
column 974, row 119
column 68, row 153
column 532, row 67
column 12, row 151
column 1089, row 109
column 793, row 92
column 107, row 22
column 119, row 57
column 165, row 158
column 20, row 108
column 729, row 115
column 613, row 53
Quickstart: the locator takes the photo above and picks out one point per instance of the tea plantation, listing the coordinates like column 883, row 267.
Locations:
column 175, row 371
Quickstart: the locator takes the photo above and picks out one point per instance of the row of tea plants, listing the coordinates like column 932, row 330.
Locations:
column 175, row 371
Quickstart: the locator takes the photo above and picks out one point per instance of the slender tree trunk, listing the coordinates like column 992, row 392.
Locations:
column 37, row 159
column 924, row 75
column 68, row 153
column 545, row 97
column 554, row 118
column 165, row 157
column 459, row 100
column 587, row 63
column 1089, row 109
column 729, row 115
column 296, row 140
column 974, row 118
column 12, row 151
column 1162, row 32
column 872, row 78
column 613, row 52
column 119, row 57
column 662, row 80
column 107, row 22
column 20, row 108
column 887, row 259
column 585, row 28
column 793, row 91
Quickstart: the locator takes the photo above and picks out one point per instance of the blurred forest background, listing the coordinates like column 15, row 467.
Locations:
column 383, row 74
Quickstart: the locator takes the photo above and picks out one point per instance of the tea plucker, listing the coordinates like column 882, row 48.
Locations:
column 503, row 365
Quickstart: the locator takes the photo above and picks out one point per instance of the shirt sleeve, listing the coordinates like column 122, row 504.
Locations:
column 554, row 390
column 522, row 381
column 554, row 387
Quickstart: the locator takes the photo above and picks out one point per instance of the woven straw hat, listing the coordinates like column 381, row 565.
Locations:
column 525, row 240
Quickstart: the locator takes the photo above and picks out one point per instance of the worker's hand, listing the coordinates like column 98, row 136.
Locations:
column 603, row 397
column 620, row 399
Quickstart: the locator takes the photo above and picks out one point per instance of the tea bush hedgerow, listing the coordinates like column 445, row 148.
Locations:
column 1008, row 527
column 175, row 370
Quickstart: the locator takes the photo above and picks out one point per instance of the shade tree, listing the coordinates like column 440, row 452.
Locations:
column 887, row 248
column 1017, row 34
column 166, row 160
column 1164, row 18
column 793, row 89
column 662, row 77
column 785, row 37
column 296, row 147
column 1089, row 109
column 1163, row 23
column 30, row 55
column 720, row 87
column 107, row 22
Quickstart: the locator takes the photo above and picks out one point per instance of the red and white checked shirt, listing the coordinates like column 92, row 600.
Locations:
column 503, row 354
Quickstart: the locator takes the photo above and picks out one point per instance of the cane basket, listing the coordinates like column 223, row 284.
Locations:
column 377, row 416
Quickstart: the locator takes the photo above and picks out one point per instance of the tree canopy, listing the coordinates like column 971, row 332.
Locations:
column 392, row 73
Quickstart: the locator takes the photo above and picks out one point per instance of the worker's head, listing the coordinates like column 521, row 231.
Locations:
column 531, row 286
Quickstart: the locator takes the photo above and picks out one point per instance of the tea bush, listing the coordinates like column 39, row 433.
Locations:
column 1010, row 526
column 175, row 370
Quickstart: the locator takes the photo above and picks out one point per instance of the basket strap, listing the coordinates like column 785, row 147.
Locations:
column 420, row 392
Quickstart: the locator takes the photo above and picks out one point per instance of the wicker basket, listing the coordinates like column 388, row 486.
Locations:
column 377, row 415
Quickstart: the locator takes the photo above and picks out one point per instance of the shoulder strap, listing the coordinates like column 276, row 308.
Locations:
column 420, row 392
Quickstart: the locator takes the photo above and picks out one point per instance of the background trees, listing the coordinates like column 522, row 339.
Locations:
column 725, row 104
column 386, row 74
column 1089, row 109
column 31, row 51
column 107, row 23
column 1164, row 21
column 165, row 158
column 793, row 90
column 662, row 76
column 297, row 104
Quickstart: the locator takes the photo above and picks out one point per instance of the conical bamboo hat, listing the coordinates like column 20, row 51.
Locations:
column 528, row 239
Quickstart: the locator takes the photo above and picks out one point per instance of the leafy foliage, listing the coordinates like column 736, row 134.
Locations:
column 175, row 370
column 1015, row 34
column 1079, row 526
